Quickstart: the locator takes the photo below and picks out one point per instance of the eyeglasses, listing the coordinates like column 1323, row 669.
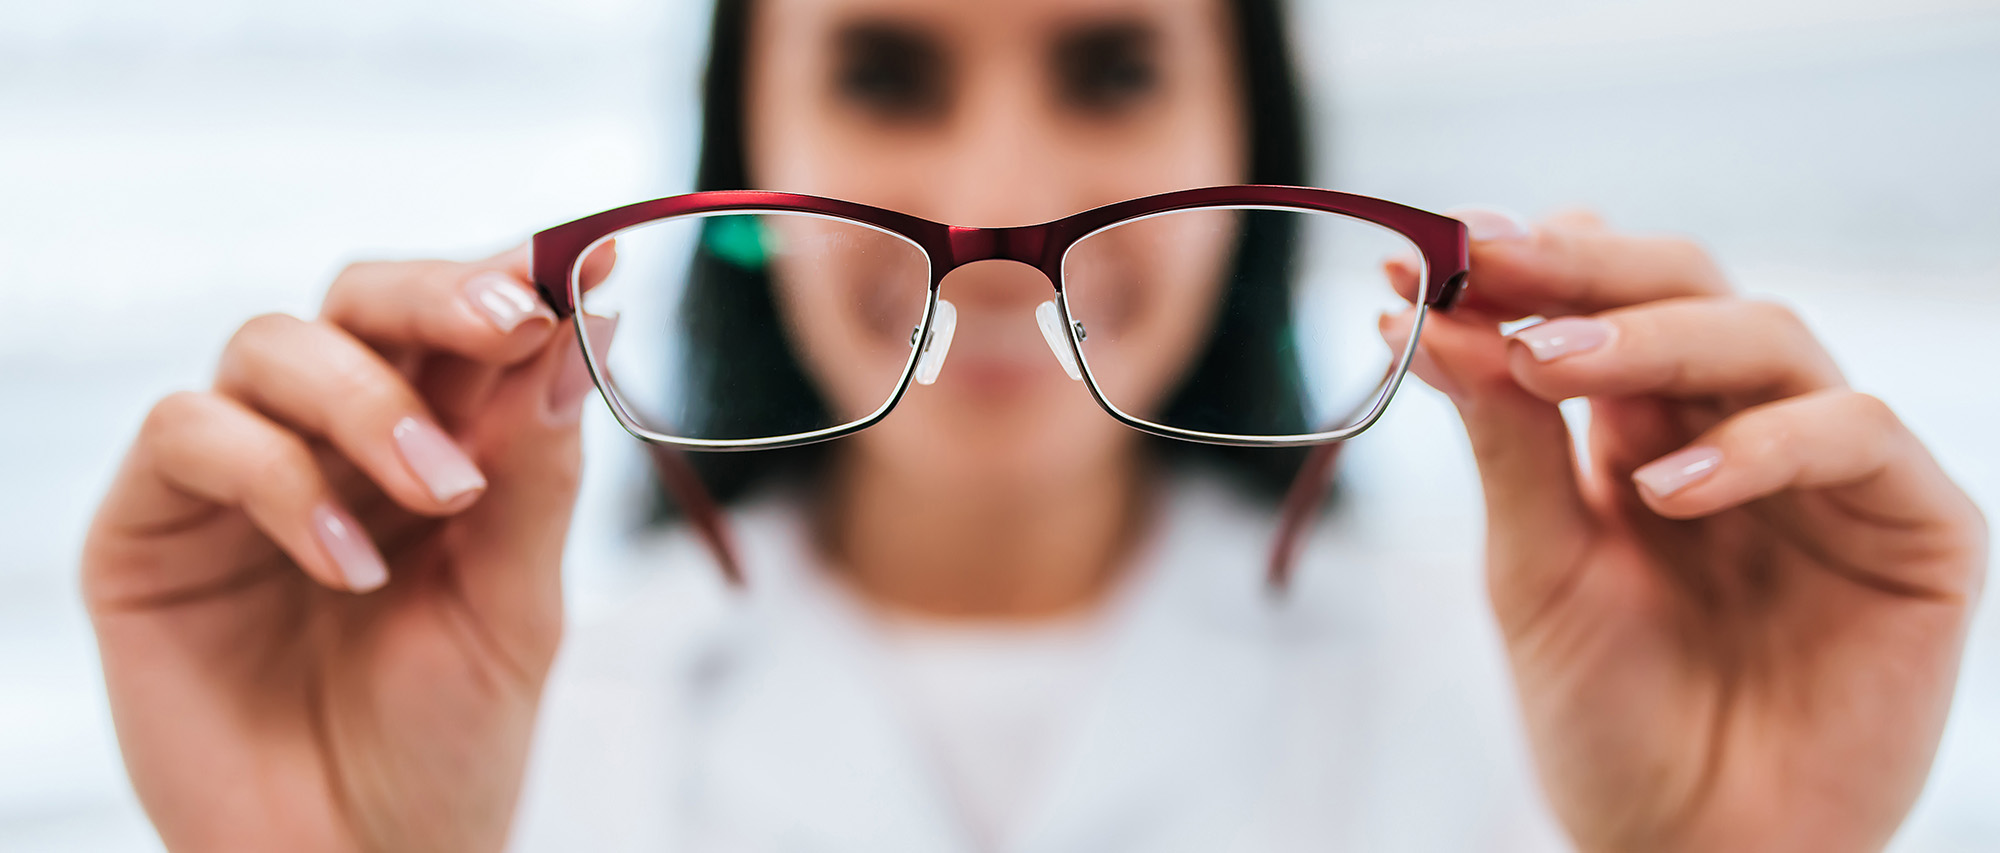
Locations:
column 1225, row 315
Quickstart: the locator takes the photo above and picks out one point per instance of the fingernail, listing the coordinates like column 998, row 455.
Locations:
column 503, row 301
column 1675, row 471
column 573, row 381
column 1564, row 336
column 347, row 543
column 1489, row 223
column 436, row 460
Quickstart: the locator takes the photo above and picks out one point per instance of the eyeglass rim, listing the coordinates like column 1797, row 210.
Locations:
column 1443, row 242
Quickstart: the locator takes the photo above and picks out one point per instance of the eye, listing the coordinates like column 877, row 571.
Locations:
column 891, row 72
column 1107, row 68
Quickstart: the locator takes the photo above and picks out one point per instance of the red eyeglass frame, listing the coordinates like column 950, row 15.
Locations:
column 1444, row 243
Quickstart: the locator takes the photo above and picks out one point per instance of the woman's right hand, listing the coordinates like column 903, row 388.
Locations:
column 326, row 591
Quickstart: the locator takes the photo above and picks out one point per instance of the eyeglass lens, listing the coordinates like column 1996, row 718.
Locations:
column 731, row 325
column 1270, row 315
column 1252, row 323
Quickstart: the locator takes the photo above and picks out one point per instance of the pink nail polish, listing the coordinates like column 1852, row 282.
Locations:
column 1676, row 471
column 437, row 460
column 1487, row 223
column 1564, row 336
column 348, row 544
column 503, row 301
column 573, row 382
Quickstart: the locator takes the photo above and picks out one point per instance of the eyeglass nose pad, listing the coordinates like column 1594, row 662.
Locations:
column 1050, row 320
column 932, row 359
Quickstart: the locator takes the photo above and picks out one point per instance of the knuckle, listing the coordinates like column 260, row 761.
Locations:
column 174, row 414
column 257, row 332
column 1693, row 257
column 357, row 269
column 360, row 278
column 356, row 274
column 1577, row 218
column 350, row 279
column 1795, row 344
column 1772, row 315
column 253, row 346
column 1690, row 252
column 1871, row 410
column 367, row 395
column 277, row 466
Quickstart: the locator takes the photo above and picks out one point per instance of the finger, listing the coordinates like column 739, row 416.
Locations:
column 597, row 265
column 529, row 446
column 483, row 311
column 320, row 380
column 216, row 449
column 458, row 387
column 1686, row 348
column 1536, row 516
column 1823, row 440
column 1573, row 265
column 1627, row 432
column 1574, row 219
column 1849, row 451
column 1486, row 225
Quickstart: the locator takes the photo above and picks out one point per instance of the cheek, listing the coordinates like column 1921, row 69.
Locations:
column 849, row 299
column 1146, row 294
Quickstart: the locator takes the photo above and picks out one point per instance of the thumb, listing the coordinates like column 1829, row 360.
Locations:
column 1537, row 522
column 509, row 546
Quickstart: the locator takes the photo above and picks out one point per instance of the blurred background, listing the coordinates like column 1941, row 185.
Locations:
column 169, row 170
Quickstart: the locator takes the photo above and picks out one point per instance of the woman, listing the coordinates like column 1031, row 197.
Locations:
column 326, row 590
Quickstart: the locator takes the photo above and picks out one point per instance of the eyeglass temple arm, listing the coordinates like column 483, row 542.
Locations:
column 671, row 465
column 1302, row 503
column 1308, row 489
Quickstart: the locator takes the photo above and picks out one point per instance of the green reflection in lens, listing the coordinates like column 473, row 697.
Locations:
column 741, row 241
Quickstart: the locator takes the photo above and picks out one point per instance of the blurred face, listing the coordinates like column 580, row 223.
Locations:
column 996, row 113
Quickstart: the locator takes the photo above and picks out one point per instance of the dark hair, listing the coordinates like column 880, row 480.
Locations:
column 733, row 330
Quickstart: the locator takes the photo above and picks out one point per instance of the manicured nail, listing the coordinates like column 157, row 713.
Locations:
column 503, row 301
column 1488, row 223
column 1564, row 336
column 572, row 382
column 1675, row 471
column 347, row 543
column 436, row 460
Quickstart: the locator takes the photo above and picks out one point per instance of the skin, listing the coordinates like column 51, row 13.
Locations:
column 1003, row 491
column 1760, row 660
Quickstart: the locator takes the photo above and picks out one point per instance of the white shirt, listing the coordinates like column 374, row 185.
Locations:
column 991, row 705
column 1215, row 718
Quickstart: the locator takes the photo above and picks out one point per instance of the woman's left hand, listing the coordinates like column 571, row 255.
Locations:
column 1736, row 625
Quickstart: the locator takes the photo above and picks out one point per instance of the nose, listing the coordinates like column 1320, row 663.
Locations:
column 990, row 309
column 931, row 350
column 1004, row 171
column 1005, row 154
